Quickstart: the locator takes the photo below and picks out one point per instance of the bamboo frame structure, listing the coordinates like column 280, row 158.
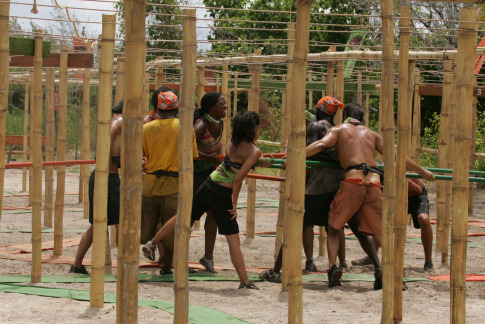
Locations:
column 367, row 107
column 4, row 69
column 120, row 79
column 339, row 90
column 416, row 128
column 473, row 147
column 131, row 182
column 296, row 163
column 234, row 104
column 323, row 81
column 359, row 87
column 49, row 148
column 411, row 87
column 61, row 154
column 389, row 197
column 226, row 135
column 330, row 73
column 310, row 93
column 465, row 63
column 186, row 169
column 85, row 138
column 403, row 128
column 36, row 142
column 200, row 83
column 253, row 105
column 100, row 197
column 31, row 135
column 25, row 147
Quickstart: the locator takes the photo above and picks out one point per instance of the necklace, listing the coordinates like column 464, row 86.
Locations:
column 211, row 119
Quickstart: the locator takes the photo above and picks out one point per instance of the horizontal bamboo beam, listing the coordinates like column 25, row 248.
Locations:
column 434, row 151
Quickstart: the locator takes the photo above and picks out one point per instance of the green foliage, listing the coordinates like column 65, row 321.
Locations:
column 15, row 121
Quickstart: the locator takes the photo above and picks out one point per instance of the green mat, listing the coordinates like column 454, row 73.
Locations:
column 197, row 314
column 322, row 277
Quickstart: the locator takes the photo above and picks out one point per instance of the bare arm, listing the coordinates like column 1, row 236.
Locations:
column 328, row 141
column 413, row 188
column 413, row 166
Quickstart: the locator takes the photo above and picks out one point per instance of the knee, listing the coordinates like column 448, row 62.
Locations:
column 423, row 220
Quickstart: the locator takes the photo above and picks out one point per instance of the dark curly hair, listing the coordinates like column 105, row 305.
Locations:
column 209, row 100
column 243, row 126
column 155, row 95
column 354, row 110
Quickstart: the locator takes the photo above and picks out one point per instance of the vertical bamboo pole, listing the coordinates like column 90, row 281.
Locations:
column 403, row 127
column 322, row 239
column 281, row 227
column 159, row 76
column 226, row 136
column 4, row 72
column 31, row 135
column 49, row 147
column 296, row 164
column 200, row 82
column 339, row 90
column 234, row 105
column 443, row 152
column 411, row 83
column 473, row 146
column 186, row 176
column 465, row 62
column 323, row 82
column 120, row 79
column 253, row 105
column 359, row 87
column 100, row 198
column 310, row 93
column 388, row 205
column 85, row 137
column 330, row 74
column 36, row 143
column 26, row 134
column 416, row 132
column 367, row 107
column 61, row 153
column 130, row 193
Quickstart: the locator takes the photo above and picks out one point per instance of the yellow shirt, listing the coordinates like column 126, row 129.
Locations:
column 160, row 146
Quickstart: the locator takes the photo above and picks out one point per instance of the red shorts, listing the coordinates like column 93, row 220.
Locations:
column 355, row 195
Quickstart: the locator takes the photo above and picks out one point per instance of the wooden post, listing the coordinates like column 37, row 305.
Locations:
column 130, row 193
column 411, row 83
column 389, row 199
column 323, row 82
column 465, row 62
column 159, row 76
column 330, row 73
column 31, row 135
column 359, row 87
column 416, row 132
column 403, row 127
column 367, row 107
column 200, row 82
column 473, row 146
column 322, row 239
column 120, row 79
column 281, row 227
column 36, row 143
column 226, row 136
column 310, row 93
column 296, row 164
column 234, row 105
column 85, row 137
column 253, row 105
column 61, row 153
column 186, row 175
column 100, row 197
column 49, row 147
column 443, row 139
column 4, row 72
column 26, row 133
column 339, row 90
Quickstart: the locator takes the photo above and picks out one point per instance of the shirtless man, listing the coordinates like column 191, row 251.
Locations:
column 113, row 191
column 361, row 189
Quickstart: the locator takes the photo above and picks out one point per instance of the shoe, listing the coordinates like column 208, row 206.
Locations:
column 81, row 270
column 334, row 276
column 378, row 281
column 271, row 276
column 161, row 260
column 165, row 271
column 192, row 270
column 310, row 266
column 428, row 266
column 207, row 264
column 149, row 251
column 360, row 262
column 250, row 285
column 344, row 267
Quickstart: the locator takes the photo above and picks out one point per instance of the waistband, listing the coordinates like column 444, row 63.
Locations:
column 359, row 182
column 160, row 173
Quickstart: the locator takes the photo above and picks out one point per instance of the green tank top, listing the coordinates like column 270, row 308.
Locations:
column 221, row 174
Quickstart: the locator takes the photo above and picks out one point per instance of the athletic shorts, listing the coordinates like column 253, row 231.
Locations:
column 113, row 198
column 418, row 205
column 357, row 196
column 199, row 178
column 153, row 210
column 218, row 199
column 317, row 208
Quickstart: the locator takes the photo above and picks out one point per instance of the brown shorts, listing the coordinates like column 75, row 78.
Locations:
column 364, row 197
column 154, row 209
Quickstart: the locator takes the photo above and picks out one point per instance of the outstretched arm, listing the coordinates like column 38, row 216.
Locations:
column 413, row 166
column 328, row 141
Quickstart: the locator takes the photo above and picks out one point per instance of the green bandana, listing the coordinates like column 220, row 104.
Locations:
column 211, row 119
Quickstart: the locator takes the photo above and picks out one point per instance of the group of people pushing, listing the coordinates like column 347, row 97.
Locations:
column 334, row 196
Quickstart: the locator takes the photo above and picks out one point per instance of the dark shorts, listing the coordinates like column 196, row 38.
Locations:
column 218, row 199
column 418, row 205
column 200, row 177
column 317, row 208
column 113, row 198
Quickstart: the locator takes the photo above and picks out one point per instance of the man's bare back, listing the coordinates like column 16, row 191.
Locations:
column 115, row 146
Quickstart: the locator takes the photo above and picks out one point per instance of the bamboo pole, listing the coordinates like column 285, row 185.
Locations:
column 186, row 175
column 31, row 135
column 253, row 105
column 411, row 83
column 85, row 137
column 281, row 225
column 36, row 143
column 443, row 151
column 61, row 153
column 200, row 82
column 234, row 105
column 25, row 134
column 330, row 73
column 296, row 163
column 100, row 198
column 159, row 78
column 310, row 93
column 322, row 239
column 367, row 107
column 389, row 197
column 339, row 90
column 4, row 71
column 130, row 193
column 359, row 87
column 465, row 62
column 49, row 147
column 403, row 127
column 473, row 147
column 323, row 81
column 416, row 131
column 226, row 135
column 120, row 79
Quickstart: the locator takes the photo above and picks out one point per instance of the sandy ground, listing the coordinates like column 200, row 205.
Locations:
column 353, row 302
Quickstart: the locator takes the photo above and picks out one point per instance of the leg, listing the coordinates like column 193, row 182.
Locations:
column 365, row 242
column 159, row 244
column 341, row 249
column 426, row 237
column 237, row 257
column 84, row 245
column 333, row 243
column 308, row 237
column 210, row 227
column 166, row 229
column 117, row 227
